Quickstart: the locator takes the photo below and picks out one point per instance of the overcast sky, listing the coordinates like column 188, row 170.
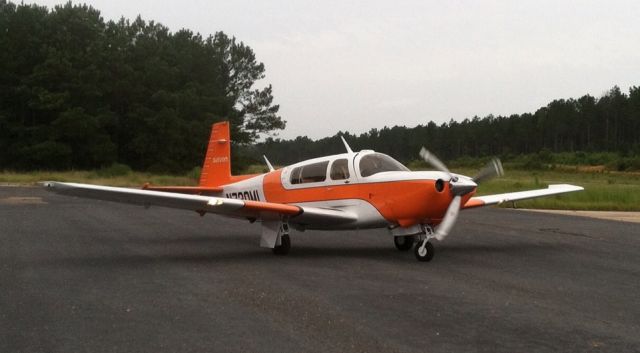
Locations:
column 353, row 66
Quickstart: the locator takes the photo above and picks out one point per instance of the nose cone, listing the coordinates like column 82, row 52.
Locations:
column 462, row 186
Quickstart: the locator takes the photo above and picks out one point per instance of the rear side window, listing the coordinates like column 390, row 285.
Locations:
column 339, row 170
column 310, row 173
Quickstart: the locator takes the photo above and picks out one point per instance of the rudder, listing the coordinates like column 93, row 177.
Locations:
column 216, row 169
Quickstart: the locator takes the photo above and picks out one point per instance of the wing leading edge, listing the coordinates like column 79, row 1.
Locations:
column 204, row 204
column 487, row 200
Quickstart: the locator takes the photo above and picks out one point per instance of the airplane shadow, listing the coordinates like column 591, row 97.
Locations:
column 219, row 255
column 511, row 248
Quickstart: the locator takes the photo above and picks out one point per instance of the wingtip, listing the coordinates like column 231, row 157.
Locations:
column 566, row 186
column 47, row 184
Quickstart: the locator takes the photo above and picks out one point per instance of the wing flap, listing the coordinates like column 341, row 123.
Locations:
column 487, row 200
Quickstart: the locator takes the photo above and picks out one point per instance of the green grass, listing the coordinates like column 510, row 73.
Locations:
column 604, row 191
column 96, row 177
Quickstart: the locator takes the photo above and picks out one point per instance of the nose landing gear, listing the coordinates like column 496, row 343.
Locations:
column 405, row 238
column 424, row 250
column 275, row 235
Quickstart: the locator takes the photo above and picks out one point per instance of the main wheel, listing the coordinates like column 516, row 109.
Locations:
column 404, row 243
column 284, row 247
column 425, row 254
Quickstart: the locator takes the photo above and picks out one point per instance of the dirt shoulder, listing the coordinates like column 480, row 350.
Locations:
column 608, row 215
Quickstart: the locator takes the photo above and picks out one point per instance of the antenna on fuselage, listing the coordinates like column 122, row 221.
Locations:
column 346, row 145
column 268, row 163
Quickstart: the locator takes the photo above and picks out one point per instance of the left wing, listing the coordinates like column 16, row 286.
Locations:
column 497, row 199
column 205, row 204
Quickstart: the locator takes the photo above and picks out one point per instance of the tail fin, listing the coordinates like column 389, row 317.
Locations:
column 216, row 169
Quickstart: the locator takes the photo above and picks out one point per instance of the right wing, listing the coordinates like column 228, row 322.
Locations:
column 487, row 200
column 205, row 204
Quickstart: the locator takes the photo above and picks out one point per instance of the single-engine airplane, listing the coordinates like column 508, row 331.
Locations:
column 352, row 190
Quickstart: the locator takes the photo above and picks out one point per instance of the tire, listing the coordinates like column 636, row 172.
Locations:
column 284, row 247
column 404, row 243
column 428, row 253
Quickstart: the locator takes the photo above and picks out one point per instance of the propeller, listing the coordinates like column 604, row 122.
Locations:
column 459, row 187
column 434, row 161
column 489, row 171
column 449, row 218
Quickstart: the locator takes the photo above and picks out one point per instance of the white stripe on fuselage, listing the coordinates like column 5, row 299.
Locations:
column 385, row 177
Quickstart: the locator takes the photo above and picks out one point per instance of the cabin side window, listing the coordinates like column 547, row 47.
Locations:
column 339, row 169
column 310, row 173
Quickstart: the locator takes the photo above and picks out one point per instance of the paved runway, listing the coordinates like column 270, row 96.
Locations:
column 88, row 276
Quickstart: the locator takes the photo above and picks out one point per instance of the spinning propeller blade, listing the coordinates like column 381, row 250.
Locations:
column 449, row 218
column 433, row 160
column 491, row 170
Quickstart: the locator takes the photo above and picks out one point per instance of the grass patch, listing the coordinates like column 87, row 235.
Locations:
column 603, row 191
column 102, row 177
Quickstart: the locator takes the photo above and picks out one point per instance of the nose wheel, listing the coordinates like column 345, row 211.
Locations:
column 424, row 250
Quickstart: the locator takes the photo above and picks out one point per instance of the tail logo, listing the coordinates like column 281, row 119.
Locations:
column 219, row 159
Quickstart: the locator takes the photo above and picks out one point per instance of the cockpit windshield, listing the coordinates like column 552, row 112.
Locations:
column 374, row 163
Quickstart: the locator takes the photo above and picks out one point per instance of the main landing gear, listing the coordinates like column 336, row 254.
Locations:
column 284, row 247
column 275, row 235
column 404, row 243
column 405, row 238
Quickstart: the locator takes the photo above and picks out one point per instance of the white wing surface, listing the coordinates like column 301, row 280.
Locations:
column 487, row 200
column 205, row 204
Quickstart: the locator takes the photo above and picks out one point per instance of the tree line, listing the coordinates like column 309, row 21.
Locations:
column 79, row 92
column 588, row 124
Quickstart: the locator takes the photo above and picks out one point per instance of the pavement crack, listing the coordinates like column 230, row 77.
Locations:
column 558, row 231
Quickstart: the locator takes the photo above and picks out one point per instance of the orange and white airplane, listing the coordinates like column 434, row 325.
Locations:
column 353, row 190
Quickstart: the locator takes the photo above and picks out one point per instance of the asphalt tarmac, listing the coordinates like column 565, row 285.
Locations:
column 89, row 276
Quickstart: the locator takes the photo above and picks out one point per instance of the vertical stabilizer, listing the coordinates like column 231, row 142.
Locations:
column 216, row 169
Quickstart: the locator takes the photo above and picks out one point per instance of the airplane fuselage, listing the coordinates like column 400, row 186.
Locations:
column 380, row 198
